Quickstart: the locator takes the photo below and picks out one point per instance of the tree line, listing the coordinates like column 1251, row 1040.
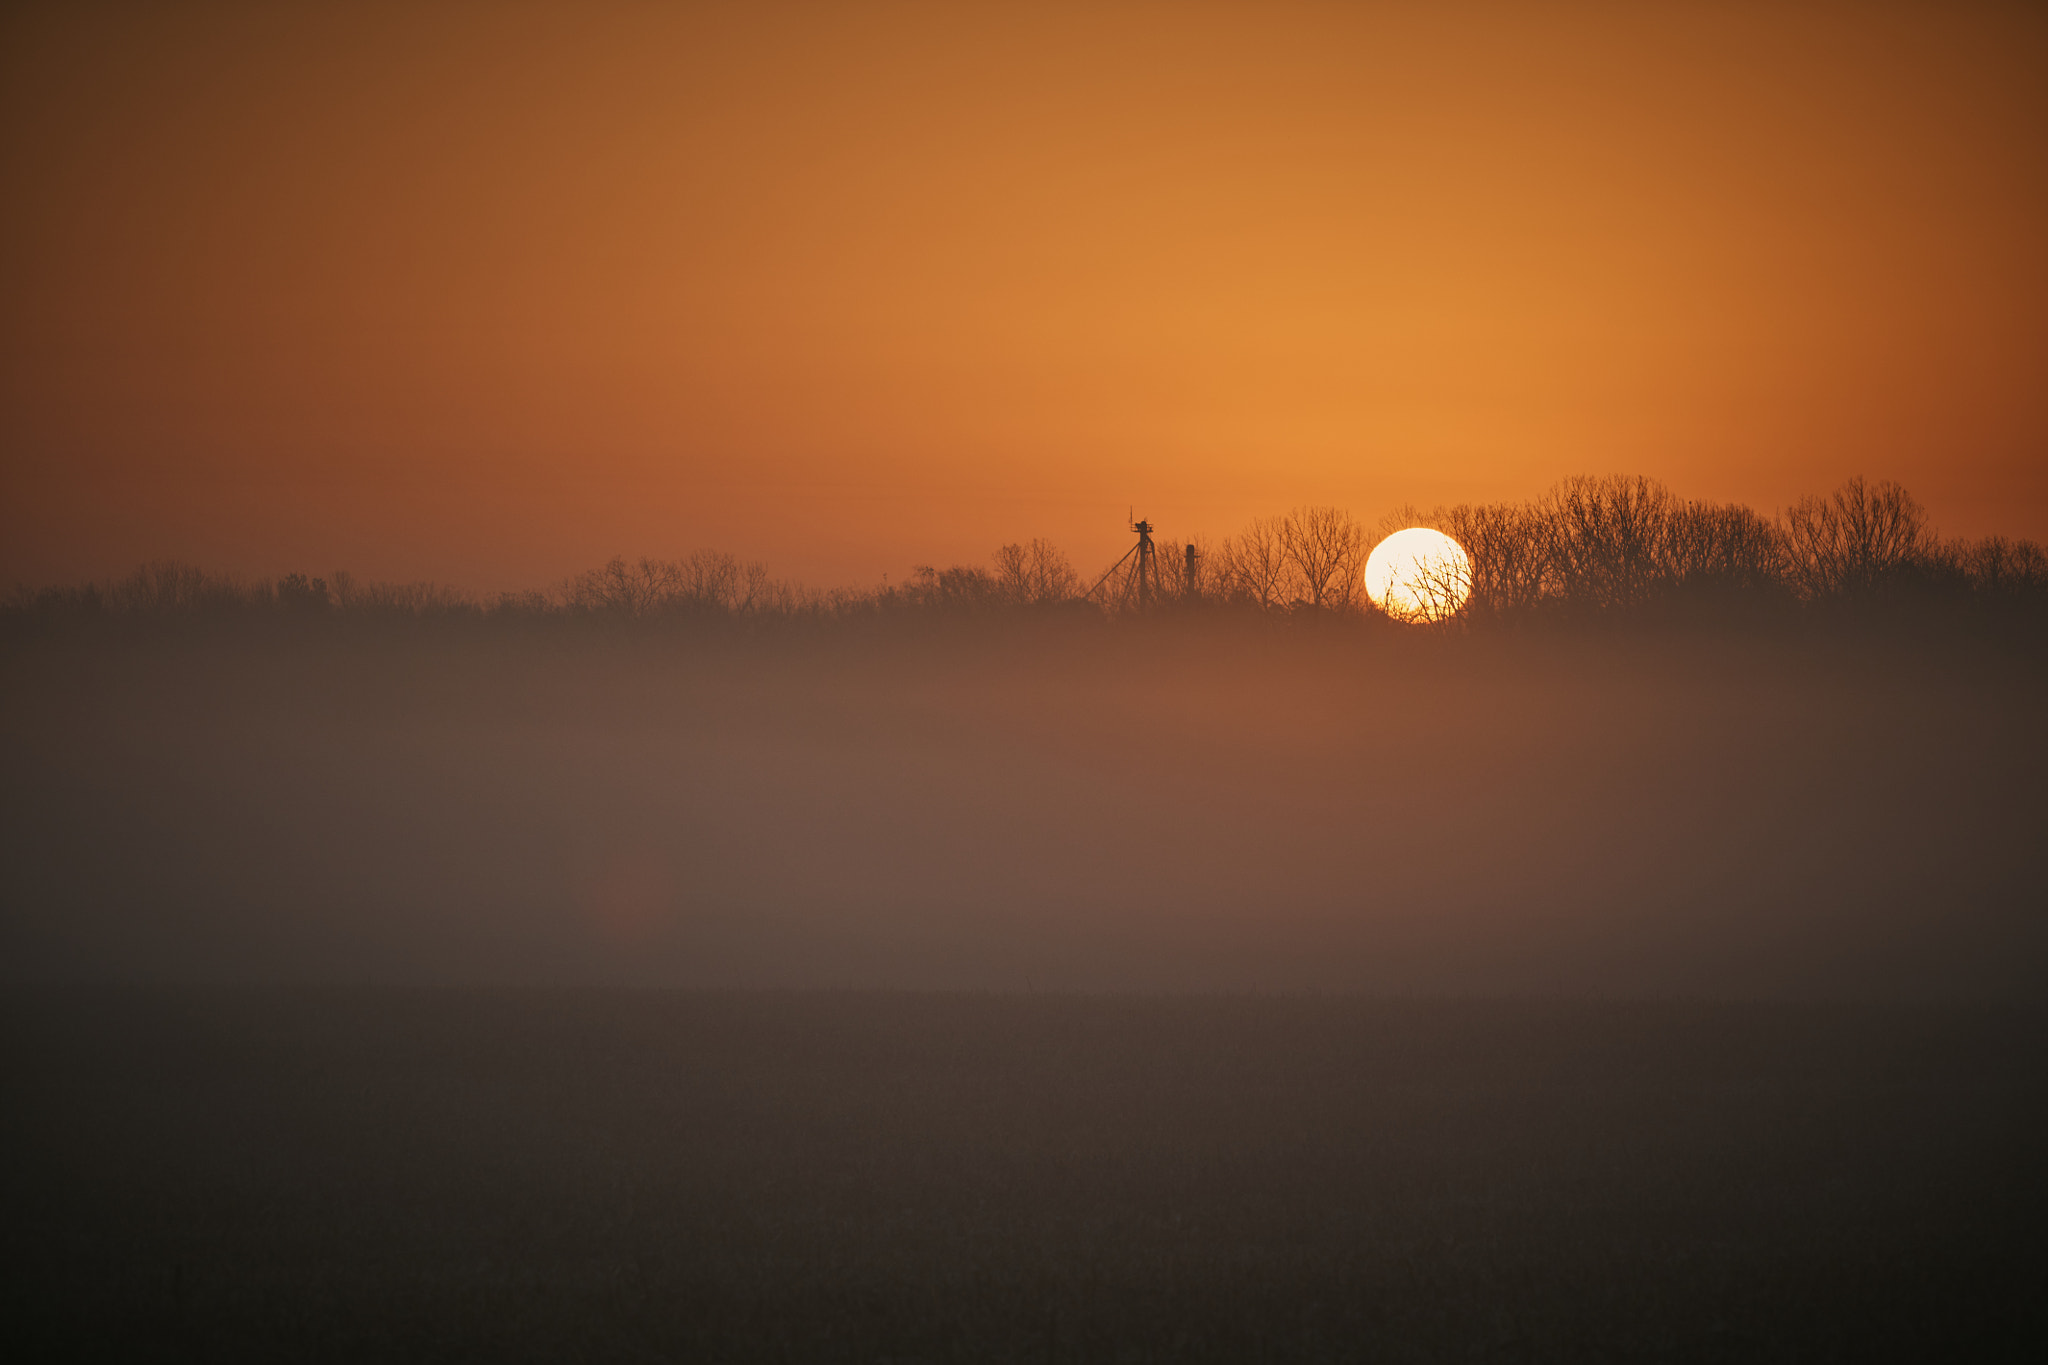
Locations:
column 1589, row 546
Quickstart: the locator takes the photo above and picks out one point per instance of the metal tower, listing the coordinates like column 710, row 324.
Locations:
column 1132, row 583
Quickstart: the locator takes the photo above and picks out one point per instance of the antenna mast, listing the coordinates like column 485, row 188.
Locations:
column 1148, row 566
column 1138, row 588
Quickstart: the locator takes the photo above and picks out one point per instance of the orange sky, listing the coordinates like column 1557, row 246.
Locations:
column 488, row 294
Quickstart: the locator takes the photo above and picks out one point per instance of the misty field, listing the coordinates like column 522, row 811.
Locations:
column 1800, row 808
column 625, row 1175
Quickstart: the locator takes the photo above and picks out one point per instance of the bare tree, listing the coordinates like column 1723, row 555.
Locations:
column 297, row 592
column 165, row 587
column 959, row 588
column 1722, row 546
column 618, row 589
column 1439, row 587
column 1607, row 539
column 1252, row 566
column 710, row 580
column 1856, row 539
column 1509, row 545
column 2001, row 567
column 399, row 599
column 1034, row 574
column 1324, row 549
column 707, row 581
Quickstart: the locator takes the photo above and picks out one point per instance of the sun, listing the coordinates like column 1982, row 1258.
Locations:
column 1419, row 575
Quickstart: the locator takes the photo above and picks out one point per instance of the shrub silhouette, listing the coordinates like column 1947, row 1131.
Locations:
column 296, row 592
column 707, row 582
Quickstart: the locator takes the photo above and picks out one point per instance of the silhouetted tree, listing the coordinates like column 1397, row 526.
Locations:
column 1034, row 574
column 398, row 599
column 1251, row 566
column 166, row 587
column 1510, row 548
column 2000, row 567
column 706, row 582
column 1607, row 539
column 1324, row 549
column 963, row 587
column 296, row 592
column 1860, row 537
column 1724, row 548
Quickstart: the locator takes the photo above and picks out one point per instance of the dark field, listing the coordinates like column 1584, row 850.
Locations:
column 628, row 1175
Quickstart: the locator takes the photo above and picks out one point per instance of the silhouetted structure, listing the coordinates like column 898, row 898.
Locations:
column 1132, row 583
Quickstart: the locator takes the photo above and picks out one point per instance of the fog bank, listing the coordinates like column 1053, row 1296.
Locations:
column 1030, row 805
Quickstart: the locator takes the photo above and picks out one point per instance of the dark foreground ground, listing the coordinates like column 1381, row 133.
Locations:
column 641, row 1176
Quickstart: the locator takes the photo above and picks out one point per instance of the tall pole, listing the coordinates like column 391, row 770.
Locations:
column 1148, row 571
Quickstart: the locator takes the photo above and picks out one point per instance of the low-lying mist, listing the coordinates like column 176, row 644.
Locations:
column 1792, row 808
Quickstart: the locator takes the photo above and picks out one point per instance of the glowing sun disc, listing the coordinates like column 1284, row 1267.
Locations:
column 1419, row 575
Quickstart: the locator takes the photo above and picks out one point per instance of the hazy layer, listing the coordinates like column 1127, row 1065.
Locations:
column 1060, row 804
